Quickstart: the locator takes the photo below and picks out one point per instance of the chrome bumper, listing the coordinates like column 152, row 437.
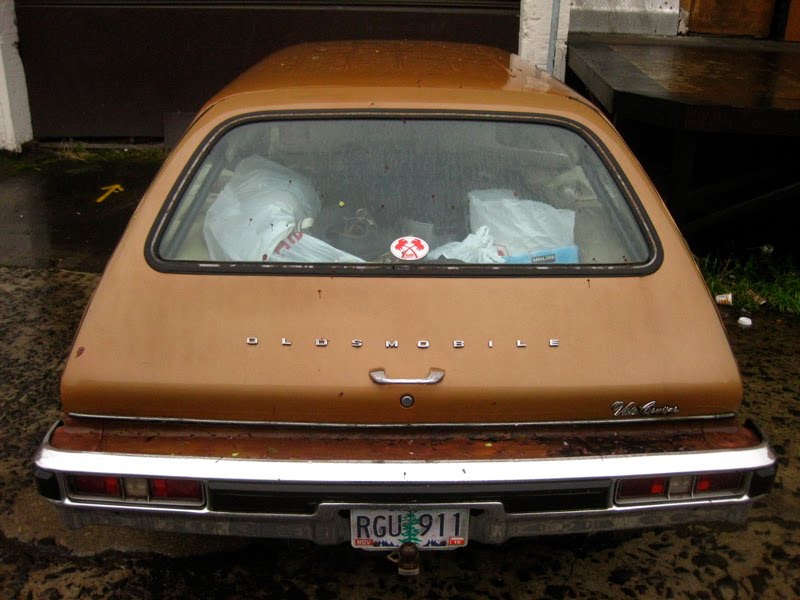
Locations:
column 329, row 524
column 489, row 523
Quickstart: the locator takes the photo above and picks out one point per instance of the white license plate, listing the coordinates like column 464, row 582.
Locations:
column 429, row 527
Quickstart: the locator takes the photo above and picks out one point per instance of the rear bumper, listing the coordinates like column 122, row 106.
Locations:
column 489, row 523
column 532, row 487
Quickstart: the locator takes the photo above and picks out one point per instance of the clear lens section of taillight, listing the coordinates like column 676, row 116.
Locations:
column 680, row 486
column 136, row 488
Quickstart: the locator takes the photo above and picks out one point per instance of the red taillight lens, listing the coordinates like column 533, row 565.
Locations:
column 713, row 483
column 179, row 489
column 644, row 488
column 97, row 485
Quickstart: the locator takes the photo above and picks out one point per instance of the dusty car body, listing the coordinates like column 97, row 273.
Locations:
column 320, row 325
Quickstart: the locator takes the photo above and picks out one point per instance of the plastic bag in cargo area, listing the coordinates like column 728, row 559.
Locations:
column 303, row 248
column 520, row 226
column 261, row 205
column 477, row 248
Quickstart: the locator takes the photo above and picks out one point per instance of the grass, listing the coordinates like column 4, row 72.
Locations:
column 756, row 281
column 77, row 157
column 69, row 150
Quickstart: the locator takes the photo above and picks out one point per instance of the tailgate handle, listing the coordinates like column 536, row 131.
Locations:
column 434, row 376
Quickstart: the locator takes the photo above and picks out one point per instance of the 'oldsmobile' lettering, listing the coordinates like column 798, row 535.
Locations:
column 650, row 408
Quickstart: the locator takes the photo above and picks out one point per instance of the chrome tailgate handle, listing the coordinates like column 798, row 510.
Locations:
column 434, row 376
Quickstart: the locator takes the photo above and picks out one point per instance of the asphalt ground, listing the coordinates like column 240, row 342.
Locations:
column 55, row 238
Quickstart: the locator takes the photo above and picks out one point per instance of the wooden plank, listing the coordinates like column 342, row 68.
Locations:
column 732, row 17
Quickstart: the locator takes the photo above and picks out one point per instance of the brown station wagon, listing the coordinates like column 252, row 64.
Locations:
column 396, row 293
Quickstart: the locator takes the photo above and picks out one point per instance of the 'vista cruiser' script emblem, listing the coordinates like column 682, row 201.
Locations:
column 651, row 409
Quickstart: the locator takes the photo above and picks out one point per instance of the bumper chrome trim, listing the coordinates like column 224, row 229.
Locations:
column 403, row 472
column 330, row 525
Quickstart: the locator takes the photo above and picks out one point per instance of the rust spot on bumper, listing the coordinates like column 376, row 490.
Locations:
column 296, row 443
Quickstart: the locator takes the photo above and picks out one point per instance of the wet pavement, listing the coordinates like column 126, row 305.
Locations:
column 51, row 269
column 49, row 214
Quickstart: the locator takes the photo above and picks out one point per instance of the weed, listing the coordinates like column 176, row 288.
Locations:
column 69, row 150
column 756, row 280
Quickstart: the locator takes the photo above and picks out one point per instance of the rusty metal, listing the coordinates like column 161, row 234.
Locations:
column 265, row 442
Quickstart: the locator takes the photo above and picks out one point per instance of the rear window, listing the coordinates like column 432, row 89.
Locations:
column 388, row 192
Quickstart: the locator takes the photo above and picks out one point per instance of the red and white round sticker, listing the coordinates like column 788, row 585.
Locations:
column 410, row 248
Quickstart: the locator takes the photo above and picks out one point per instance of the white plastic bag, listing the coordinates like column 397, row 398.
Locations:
column 261, row 205
column 477, row 247
column 304, row 248
column 519, row 226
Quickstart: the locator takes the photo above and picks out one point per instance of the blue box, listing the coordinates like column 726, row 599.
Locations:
column 563, row 255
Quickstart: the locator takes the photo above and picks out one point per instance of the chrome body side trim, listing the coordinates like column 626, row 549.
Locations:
column 290, row 424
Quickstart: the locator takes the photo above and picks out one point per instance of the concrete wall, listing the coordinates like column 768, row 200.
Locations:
column 647, row 17
column 543, row 28
column 15, row 116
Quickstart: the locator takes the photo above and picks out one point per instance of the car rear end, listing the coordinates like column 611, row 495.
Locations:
column 422, row 305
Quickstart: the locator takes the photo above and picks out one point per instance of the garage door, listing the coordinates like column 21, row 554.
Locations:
column 137, row 69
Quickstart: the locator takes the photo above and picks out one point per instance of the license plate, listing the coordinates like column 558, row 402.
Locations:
column 429, row 527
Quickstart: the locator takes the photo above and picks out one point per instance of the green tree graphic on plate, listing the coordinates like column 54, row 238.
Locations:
column 410, row 531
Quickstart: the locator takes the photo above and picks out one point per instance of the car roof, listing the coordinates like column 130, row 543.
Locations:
column 425, row 65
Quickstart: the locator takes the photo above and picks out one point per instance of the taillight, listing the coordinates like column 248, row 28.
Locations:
column 96, row 485
column 642, row 489
column 680, row 487
column 717, row 483
column 137, row 489
column 176, row 489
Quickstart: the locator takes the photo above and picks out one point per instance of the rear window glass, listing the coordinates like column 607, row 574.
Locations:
column 418, row 192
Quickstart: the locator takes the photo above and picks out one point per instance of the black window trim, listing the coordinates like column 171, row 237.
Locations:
column 157, row 232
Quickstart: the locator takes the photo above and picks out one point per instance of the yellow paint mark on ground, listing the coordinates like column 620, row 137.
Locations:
column 110, row 189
